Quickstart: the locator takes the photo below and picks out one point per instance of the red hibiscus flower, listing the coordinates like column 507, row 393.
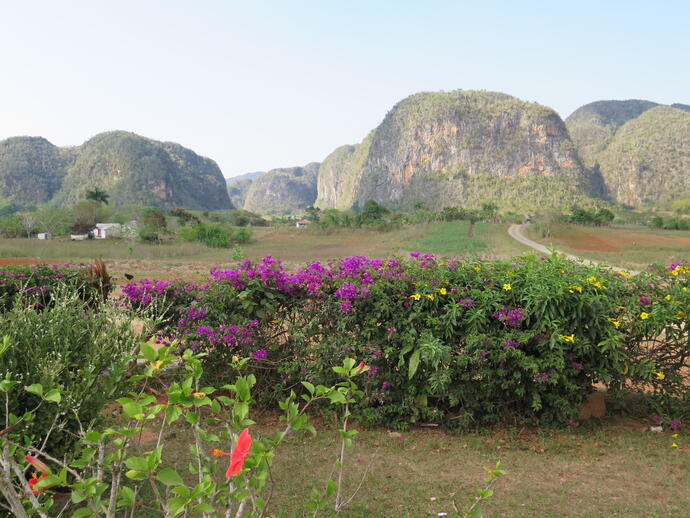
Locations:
column 238, row 455
column 33, row 481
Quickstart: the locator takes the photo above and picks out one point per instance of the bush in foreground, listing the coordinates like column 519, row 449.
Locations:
column 462, row 343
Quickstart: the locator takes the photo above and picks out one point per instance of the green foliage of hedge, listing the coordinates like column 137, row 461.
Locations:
column 465, row 344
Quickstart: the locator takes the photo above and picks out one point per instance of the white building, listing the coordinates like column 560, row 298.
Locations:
column 106, row 230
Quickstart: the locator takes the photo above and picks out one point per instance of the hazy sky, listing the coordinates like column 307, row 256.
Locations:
column 256, row 85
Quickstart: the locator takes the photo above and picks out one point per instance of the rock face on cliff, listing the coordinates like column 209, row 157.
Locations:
column 459, row 148
column 283, row 191
column 31, row 170
column 648, row 159
column 239, row 185
column 593, row 125
column 129, row 168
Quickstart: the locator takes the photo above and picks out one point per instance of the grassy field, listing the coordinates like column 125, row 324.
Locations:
column 607, row 468
column 294, row 246
column 632, row 246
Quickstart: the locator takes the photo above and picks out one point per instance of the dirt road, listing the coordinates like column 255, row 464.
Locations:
column 515, row 231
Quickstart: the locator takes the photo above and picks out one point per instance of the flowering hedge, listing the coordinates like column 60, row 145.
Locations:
column 464, row 343
column 35, row 285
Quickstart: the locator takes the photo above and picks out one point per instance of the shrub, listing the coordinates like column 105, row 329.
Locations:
column 67, row 346
column 466, row 344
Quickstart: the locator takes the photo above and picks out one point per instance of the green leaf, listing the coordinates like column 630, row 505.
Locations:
column 130, row 407
column 5, row 345
column 172, row 414
column 81, row 513
column 148, row 352
column 137, row 463
column 93, row 436
column 53, row 395
column 169, row 477
column 135, row 474
column 126, row 497
column 414, row 364
column 36, row 388
column 337, row 397
column 176, row 505
column 242, row 389
column 308, row 386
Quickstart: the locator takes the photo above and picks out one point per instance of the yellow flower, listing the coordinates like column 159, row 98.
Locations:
column 477, row 268
column 674, row 435
column 443, row 291
column 644, row 316
column 156, row 365
column 668, row 297
column 621, row 307
column 680, row 314
column 623, row 274
column 674, row 445
column 199, row 395
column 507, row 287
column 570, row 338
column 614, row 322
column 591, row 279
column 430, row 297
column 597, row 285
column 659, row 375
column 416, row 296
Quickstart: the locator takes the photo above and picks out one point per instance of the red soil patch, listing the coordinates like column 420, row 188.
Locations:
column 581, row 240
column 622, row 238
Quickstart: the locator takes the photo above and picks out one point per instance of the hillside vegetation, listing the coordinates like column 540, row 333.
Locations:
column 641, row 149
column 130, row 168
column 648, row 159
column 283, row 191
column 458, row 148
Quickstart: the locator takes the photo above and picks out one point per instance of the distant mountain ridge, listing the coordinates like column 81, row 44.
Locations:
column 459, row 148
column 238, row 185
column 128, row 167
column 641, row 149
column 283, row 191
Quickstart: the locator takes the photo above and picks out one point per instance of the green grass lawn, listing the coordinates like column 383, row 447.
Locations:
column 489, row 240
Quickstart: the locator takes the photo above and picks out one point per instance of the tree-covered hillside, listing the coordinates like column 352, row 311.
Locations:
column 283, row 191
column 31, row 170
column 130, row 168
column 648, row 160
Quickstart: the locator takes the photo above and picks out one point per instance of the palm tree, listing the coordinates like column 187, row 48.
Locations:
column 97, row 195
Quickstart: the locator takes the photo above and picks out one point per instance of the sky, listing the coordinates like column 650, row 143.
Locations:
column 256, row 85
